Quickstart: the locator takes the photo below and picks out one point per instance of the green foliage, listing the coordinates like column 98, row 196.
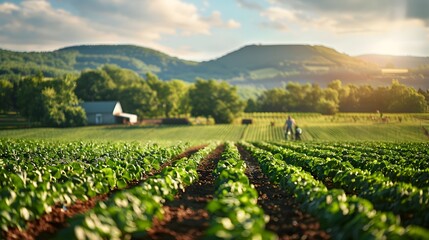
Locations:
column 96, row 85
column 61, row 104
column 51, row 102
column 299, row 98
column 129, row 213
column 346, row 216
column 171, row 96
column 216, row 99
column 145, row 97
column 75, row 59
column 334, row 98
column 269, row 65
column 36, row 175
column 377, row 190
column 234, row 210
column 6, row 96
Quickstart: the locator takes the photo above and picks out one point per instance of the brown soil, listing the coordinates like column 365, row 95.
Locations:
column 50, row 223
column 189, row 152
column 286, row 220
column 186, row 217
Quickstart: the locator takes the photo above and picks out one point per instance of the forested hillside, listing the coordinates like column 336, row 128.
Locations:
column 75, row 59
column 265, row 66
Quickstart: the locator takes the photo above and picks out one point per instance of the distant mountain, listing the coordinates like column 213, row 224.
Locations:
column 391, row 61
column 256, row 65
column 78, row 58
column 269, row 61
column 138, row 59
column 287, row 57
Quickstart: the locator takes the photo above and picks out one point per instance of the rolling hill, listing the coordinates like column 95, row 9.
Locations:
column 259, row 62
column 256, row 65
column 77, row 58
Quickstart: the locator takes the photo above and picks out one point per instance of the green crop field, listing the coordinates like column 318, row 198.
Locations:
column 265, row 126
column 353, row 176
column 366, row 190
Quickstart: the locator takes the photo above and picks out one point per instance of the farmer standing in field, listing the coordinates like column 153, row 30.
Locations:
column 289, row 126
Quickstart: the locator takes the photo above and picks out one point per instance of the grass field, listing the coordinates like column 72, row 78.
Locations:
column 265, row 126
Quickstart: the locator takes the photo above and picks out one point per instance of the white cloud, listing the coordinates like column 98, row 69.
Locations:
column 232, row 24
column 278, row 18
column 144, row 22
column 164, row 17
column 216, row 20
column 8, row 8
column 35, row 23
column 279, row 14
column 352, row 15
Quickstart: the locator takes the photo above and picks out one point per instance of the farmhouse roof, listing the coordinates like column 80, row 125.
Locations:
column 102, row 107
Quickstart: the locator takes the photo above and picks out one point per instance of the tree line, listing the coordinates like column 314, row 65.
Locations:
column 295, row 97
column 56, row 101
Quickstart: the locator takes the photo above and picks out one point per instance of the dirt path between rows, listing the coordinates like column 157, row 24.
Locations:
column 286, row 220
column 186, row 216
column 48, row 224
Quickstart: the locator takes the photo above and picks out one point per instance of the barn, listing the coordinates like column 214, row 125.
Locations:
column 107, row 112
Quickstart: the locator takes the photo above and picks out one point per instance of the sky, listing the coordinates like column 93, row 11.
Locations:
column 207, row 29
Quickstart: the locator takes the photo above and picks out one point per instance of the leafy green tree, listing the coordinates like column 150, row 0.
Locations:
column 297, row 97
column 405, row 99
column 274, row 100
column 160, row 89
column 53, row 115
column 176, row 98
column 366, row 99
column 252, row 105
column 328, row 103
column 6, row 95
column 425, row 94
column 51, row 102
column 349, row 99
column 139, row 98
column 96, row 85
column 61, row 105
column 215, row 99
column 29, row 98
column 120, row 76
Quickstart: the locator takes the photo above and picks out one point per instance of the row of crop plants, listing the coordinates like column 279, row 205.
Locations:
column 37, row 175
column 234, row 211
column 362, row 203
column 386, row 195
column 34, row 175
column 345, row 216
column 129, row 213
column 407, row 163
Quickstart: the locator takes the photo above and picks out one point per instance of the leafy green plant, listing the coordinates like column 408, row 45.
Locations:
column 129, row 213
column 398, row 197
column 234, row 210
column 36, row 175
column 345, row 217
